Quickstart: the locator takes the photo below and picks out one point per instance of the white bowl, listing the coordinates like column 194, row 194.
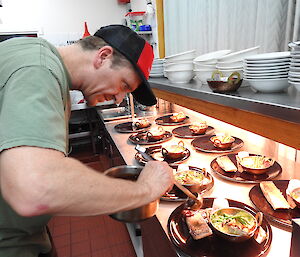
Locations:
column 203, row 75
column 230, row 64
column 211, row 55
column 269, row 85
column 181, row 76
column 209, row 62
column 181, row 56
column 204, row 66
column 184, row 65
column 239, row 55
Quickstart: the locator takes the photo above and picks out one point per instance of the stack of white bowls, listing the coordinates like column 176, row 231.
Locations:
column 234, row 61
column 294, row 73
column 178, row 68
column 205, row 64
column 267, row 72
column 157, row 69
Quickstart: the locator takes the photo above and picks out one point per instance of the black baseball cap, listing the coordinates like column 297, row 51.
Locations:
column 138, row 51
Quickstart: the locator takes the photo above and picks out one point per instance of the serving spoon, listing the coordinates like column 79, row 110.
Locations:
column 198, row 201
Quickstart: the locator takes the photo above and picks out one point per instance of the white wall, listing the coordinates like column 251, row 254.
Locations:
column 59, row 18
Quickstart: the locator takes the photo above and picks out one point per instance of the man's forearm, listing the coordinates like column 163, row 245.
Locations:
column 48, row 182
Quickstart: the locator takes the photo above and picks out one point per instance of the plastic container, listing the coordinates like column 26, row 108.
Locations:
column 135, row 20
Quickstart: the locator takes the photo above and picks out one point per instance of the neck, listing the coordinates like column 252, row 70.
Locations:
column 76, row 61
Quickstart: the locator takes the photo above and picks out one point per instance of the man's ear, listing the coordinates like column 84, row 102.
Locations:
column 103, row 54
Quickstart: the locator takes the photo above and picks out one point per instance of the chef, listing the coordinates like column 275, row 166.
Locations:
column 37, row 179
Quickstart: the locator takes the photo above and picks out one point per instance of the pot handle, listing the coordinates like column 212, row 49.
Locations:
column 217, row 75
column 259, row 218
column 149, row 135
column 181, row 143
column 164, row 152
column 232, row 80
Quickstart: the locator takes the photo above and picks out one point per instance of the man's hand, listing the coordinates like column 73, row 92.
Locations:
column 158, row 177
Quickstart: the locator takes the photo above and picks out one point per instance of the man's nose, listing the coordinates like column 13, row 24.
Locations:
column 119, row 97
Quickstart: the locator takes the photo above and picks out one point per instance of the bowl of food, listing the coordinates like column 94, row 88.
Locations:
column 141, row 123
column 178, row 117
column 234, row 224
column 295, row 194
column 173, row 151
column 155, row 133
column 225, row 84
column 191, row 179
column 222, row 141
column 138, row 214
column 198, row 128
column 255, row 164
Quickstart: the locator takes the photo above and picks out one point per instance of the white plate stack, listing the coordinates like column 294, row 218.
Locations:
column 178, row 68
column 267, row 72
column 294, row 74
column 205, row 65
column 157, row 69
column 234, row 61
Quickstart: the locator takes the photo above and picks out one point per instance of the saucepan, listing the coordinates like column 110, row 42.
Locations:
column 138, row 214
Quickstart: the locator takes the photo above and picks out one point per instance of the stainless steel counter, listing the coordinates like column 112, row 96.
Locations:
column 253, row 143
column 284, row 105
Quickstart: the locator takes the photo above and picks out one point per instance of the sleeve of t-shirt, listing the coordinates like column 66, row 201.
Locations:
column 32, row 111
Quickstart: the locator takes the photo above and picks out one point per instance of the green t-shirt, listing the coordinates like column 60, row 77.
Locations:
column 34, row 100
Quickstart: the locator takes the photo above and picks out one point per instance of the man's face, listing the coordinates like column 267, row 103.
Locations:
column 109, row 82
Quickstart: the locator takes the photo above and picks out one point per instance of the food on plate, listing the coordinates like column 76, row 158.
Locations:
column 222, row 141
column 292, row 193
column 256, row 162
column 233, row 221
column 178, row 117
column 226, row 164
column 295, row 194
column 273, row 195
column 141, row 123
column 198, row 128
column 197, row 224
column 190, row 177
column 173, row 151
column 155, row 133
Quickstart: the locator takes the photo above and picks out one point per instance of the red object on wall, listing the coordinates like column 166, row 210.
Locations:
column 124, row 1
column 86, row 31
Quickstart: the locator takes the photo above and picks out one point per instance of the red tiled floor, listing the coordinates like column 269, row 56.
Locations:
column 97, row 236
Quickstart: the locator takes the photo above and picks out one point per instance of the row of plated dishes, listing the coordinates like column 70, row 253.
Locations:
column 217, row 226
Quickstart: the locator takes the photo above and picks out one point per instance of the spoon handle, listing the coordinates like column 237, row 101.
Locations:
column 185, row 190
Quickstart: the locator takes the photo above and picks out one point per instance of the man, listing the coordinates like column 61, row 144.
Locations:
column 37, row 180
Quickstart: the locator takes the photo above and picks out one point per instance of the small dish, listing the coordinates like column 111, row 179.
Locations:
column 255, row 164
column 223, row 142
column 198, row 128
column 295, row 194
column 178, row 117
column 235, row 224
column 173, row 151
column 219, row 85
column 155, row 134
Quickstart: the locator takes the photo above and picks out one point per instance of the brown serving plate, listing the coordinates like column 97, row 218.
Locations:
column 126, row 127
column 281, row 218
column 165, row 120
column 155, row 153
column 142, row 139
column 185, row 132
column 215, row 246
column 204, row 144
column 245, row 177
